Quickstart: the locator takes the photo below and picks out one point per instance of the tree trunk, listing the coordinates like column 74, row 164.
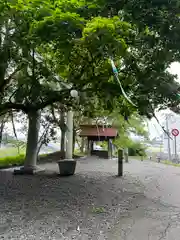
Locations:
column 82, row 145
column 39, row 149
column 87, row 146
column 15, row 134
column 1, row 131
column 42, row 139
column 32, row 141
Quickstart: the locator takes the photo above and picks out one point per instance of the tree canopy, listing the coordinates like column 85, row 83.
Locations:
column 71, row 41
column 141, row 52
column 50, row 47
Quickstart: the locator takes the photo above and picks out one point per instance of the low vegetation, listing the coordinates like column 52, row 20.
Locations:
column 170, row 163
column 10, row 152
column 11, row 161
column 98, row 210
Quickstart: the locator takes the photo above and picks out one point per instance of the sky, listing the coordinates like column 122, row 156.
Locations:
column 154, row 129
column 175, row 69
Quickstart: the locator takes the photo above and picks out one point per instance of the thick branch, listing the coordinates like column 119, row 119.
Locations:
column 7, row 80
column 54, row 117
column 4, row 108
column 62, row 97
column 54, row 98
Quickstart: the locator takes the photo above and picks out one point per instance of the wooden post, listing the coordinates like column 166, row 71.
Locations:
column 120, row 162
column 126, row 156
column 110, row 153
column 109, row 149
column 92, row 145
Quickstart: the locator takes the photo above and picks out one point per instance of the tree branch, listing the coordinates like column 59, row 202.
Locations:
column 54, row 98
column 4, row 108
column 61, row 97
column 54, row 117
column 7, row 80
column 14, row 130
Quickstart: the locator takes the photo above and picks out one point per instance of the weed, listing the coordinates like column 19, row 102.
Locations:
column 98, row 210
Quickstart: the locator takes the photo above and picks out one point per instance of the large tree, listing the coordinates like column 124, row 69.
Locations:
column 27, row 84
column 139, row 50
column 82, row 43
column 72, row 41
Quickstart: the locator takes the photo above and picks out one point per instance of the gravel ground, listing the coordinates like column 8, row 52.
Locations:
column 84, row 206
column 93, row 204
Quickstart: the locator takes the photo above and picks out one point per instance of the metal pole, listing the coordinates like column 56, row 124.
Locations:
column 120, row 162
column 169, row 144
column 175, row 148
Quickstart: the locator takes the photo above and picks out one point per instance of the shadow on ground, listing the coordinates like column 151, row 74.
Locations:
column 84, row 206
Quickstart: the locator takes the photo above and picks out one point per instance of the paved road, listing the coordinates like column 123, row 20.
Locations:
column 143, row 205
column 157, row 216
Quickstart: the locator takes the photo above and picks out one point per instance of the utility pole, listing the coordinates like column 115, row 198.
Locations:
column 168, row 138
column 175, row 148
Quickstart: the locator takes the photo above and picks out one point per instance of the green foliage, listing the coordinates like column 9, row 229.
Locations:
column 134, row 125
column 48, row 47
column 84, row 60
column 10, row 151
column 61, row 27
column 106, row 36
column 16, row 143
column 12, row 161
column 137, row 149
column 98, row 210
column 77, row 153
column 50, row 43
column 170, row 163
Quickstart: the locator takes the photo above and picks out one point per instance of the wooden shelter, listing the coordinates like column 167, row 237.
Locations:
column 97, row 133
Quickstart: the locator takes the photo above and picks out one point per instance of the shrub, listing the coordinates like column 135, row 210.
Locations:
column 12, row 161
column 137, row 149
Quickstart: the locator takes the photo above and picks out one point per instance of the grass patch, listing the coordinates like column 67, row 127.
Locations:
column 78, row 153
column 9, row 152
column 136, row 158
column 154, row 149
column 12, row 161
column 9, row 157
column 170, row 163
